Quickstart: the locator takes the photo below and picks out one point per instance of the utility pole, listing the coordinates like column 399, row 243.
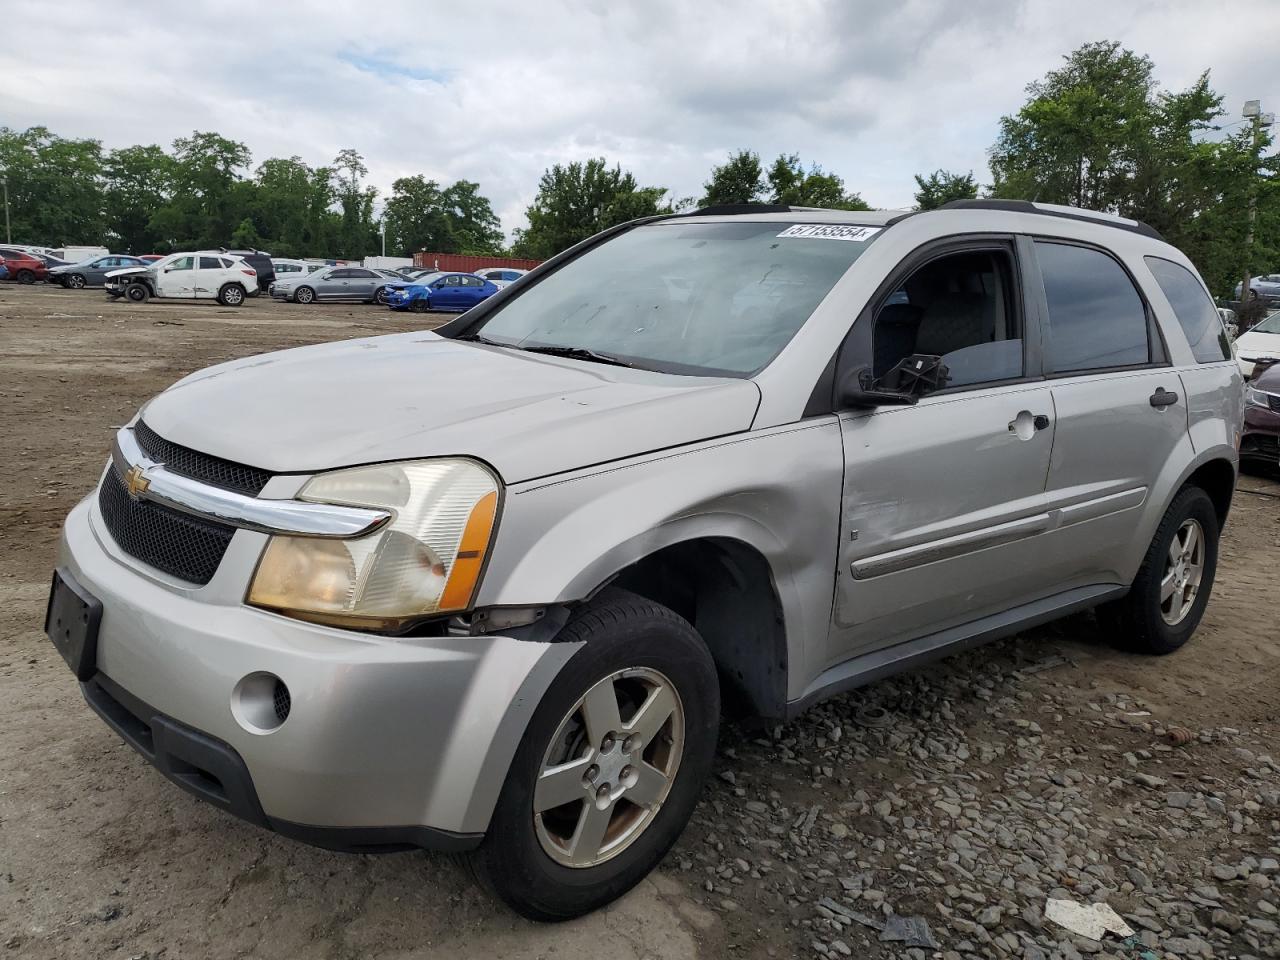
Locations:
column 1252, row 112
column 8, row 235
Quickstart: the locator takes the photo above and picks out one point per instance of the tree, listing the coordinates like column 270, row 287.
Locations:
column 790, row 184
column 579, row 199
column 1098, row 133
column 205, row 205
column 138, row 180
column 357, row 236
column 941, row 187
column 55, row 191
column 738, row 180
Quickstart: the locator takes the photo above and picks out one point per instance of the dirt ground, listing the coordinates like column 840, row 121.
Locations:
column 101, row 857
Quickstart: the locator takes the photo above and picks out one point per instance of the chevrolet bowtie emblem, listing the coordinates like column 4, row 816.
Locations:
column 136, row 482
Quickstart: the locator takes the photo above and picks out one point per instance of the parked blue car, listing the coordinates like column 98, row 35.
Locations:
column 440, row 291
column 4, row 271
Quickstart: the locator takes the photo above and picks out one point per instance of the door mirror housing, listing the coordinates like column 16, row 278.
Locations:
column 912, row 378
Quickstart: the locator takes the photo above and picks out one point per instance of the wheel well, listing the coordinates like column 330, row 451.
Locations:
column 1217, row 478
column 725, row 589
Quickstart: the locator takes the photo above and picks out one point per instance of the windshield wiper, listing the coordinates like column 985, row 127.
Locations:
column 476, row 338
column 579, row 353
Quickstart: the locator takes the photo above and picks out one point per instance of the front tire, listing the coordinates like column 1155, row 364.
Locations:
column 419, row 306
column 231, row 295
column 609, row 770
column 1169, row 594
column 304, row 295
column 137, row 293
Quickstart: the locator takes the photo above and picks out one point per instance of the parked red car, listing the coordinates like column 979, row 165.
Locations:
column 151, row 257
column 24, row 267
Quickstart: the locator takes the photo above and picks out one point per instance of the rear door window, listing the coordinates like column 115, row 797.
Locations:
column 1196, row 313
column 1097, row 319
column 210, row 263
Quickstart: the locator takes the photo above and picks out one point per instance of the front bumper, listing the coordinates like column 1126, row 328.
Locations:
column 1261, row 437
column 389, row 742
column 398, row 301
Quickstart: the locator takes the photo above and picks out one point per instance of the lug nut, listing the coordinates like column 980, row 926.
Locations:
column 592, row 772
column 603, row 792
column 629, row 745
column 626, row 774
column 606, row 744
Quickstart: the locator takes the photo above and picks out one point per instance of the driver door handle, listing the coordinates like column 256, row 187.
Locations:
column 1041, row 421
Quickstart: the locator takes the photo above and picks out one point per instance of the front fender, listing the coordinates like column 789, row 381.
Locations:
column 777, row 490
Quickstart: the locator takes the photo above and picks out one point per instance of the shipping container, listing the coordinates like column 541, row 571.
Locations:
column 386, row 263
column 464, row 263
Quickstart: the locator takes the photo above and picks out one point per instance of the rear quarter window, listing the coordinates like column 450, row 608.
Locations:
column 1196, row 313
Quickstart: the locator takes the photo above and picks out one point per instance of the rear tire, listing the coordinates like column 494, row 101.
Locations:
column 380, row 296
column 25, row 276
column 231, row 295
column 137, row 293
column 1169, row 594
column 666, row 701
column 75, row 281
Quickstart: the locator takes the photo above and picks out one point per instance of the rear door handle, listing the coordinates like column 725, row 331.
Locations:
column 1163, row 398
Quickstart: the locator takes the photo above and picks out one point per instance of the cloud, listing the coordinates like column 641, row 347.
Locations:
column 496, row 93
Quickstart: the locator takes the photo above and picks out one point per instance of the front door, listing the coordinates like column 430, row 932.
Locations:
column 177, row 278
column 944, row 501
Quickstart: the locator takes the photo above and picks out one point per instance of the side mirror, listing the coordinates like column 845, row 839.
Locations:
column 905, row 384
column 859, row 390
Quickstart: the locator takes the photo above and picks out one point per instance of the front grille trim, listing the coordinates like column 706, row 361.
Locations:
column 178, row 544
column 215, row 471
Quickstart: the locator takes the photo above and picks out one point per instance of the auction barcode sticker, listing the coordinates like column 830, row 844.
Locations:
column 830, row 231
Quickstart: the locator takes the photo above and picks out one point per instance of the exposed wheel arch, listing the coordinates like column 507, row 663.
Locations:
column 1217, row 478
column 725, row 588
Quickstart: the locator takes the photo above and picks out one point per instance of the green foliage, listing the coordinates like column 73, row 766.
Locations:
column 137, row 181
column 740, row 179
column 54, row 191
column 458, row 219
column 942, row 186
column 579, row 199
column 790, row 184
column 1098, row 133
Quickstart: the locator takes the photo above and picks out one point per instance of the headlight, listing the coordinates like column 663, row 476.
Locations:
column 1255, row 398
column 426, row 560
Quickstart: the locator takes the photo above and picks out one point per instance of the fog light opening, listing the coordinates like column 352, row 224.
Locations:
column 261, row 702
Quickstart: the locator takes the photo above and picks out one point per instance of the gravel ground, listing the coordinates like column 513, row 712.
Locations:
column 931, row 815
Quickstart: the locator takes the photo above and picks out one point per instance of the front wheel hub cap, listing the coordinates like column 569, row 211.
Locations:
column 609, row 767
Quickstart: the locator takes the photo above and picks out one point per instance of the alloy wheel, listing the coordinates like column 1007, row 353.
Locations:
column 75, row 281
column 1183, row 570
column 609, row 767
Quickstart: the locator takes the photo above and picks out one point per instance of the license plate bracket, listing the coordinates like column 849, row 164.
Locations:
column 71, row 623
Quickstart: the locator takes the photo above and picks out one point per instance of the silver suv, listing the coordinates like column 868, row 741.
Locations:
column 487, row 588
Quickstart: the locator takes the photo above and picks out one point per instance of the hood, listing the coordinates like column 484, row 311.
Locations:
column 420, row 395
column 125, row 270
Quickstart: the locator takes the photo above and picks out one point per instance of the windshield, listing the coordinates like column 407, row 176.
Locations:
column 683, row 296
column 1269, row 325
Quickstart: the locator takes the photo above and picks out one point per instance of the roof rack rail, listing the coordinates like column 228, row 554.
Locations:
column 1053, row 210
column 732, row 209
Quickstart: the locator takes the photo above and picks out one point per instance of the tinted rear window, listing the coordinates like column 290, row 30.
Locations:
column 1196, row 313
column 1097, row 319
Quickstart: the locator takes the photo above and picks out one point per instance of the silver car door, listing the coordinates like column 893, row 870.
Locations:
column 943, row 501
column 1120, row 408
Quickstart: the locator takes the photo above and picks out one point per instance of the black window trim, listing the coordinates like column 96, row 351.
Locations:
column 1157, row 348
column 858, row 340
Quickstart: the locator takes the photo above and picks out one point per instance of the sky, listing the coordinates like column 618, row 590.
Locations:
column 497, row 92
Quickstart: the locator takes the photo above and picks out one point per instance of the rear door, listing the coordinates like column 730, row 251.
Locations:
column 1119, row 404
column 210, row 275
column 944, row 501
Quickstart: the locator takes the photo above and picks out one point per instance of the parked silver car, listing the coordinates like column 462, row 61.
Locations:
column 486, row 588
column 92, row 272
column 334, row 283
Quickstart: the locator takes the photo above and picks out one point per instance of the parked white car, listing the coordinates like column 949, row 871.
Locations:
column 289, row 269
column 204, row 274
column 1262, row 342
column 500, row 276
